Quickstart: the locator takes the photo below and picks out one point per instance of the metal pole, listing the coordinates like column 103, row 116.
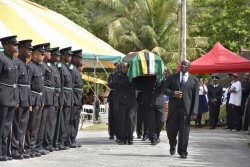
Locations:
column 94, row 111
column 184, row 30
column 180, row 32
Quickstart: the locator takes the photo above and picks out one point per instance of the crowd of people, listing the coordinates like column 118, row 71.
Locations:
column 145, row 96
column 40, row 99
column 237, row 102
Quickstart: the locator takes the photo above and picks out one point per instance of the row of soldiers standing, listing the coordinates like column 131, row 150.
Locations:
column 40, row 101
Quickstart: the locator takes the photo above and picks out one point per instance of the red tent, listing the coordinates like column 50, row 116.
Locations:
column 219, row 60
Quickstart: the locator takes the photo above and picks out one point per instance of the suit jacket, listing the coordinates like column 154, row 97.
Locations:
column 214, row 93
column 152, row 89
column 190, row 96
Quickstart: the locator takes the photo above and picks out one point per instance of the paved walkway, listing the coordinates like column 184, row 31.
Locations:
column 206, row 148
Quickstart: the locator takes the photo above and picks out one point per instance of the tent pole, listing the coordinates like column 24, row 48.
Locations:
column 94, row 110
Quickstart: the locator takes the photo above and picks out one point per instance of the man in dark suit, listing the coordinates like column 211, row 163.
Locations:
column 21, row 117
column 49, row 89
column 153, row 101
column 8, row 91
column 36, row 99
column 66, row 96
column 183, row 91
column 76, row 62
column 214, row 100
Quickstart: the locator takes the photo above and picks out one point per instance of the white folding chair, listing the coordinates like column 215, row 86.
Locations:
column 85, row 114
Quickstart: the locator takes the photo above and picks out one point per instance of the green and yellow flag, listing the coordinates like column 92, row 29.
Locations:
column 144, row 64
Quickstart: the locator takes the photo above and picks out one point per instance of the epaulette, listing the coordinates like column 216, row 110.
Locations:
column 71, row 67
column 59, row 65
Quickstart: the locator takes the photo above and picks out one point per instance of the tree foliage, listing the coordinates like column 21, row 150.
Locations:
column 226, row 21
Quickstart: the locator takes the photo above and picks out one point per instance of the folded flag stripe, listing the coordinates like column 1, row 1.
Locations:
column 144, row 66
column 151, row 63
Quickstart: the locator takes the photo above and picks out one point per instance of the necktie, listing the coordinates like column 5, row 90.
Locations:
column 182, row 80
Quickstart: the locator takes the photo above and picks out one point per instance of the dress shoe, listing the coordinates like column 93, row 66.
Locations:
column 158, row 140
column 78, row 145
column 122, row 143
column 17, row 156
column 172, row 150
column 25, row 155
column 111, row 137
column 130, row 142
column 33, row 154
column 139, row 137
column 72, row 146
column 145, row 138
column 62, row 148
column 42, row 151
column 153, row 142
column 3, row 158
column 212, row 127
column 183, row 156
column 56, row 149
column 117, row 141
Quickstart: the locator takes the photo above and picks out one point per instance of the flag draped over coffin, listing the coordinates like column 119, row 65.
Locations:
column 144, row 64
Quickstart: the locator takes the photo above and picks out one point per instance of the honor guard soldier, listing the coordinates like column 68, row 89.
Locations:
column 21, row 117
column 49, row 89
column 36, row 99
column 8, row 92
column 76, row 62
column 214, row 94
column 66, row 97
column 52, row 118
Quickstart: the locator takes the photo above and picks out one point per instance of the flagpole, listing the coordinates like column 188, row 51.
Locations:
column 182, row 49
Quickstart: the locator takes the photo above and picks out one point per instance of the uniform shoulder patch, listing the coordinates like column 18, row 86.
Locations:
column 59, row 65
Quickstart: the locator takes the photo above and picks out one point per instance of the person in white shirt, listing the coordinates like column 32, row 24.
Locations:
column 203, row 106
column 235, row 103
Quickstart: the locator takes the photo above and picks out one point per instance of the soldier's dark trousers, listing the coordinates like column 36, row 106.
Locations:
column 178, row 122
column 214, row 111
column 50, row 127
column 74, row 123
column 126, row 122
column 244, row 114
column 141, row 125
column 20, row 122
column 154, row 120
column 41, row 132
column 6, row 119
column 111, row 120
column 57, row 128
column 33, row 127
column 64, row 126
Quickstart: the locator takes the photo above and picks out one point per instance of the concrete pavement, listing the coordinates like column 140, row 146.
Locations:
column 206, row 148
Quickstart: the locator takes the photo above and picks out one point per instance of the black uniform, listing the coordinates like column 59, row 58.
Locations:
column 153, row 100
column 77, row 105
column 141, row 126
column 111, row 119
column 126, row 101
column 21, row 117
column 36, row 101
column 49, row 108
column 214, row 92
column 8, row 98
column 51, row 125
column 245, row 93
column 66, row 99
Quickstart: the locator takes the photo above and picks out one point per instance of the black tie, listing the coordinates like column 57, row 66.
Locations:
column 182, row 79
